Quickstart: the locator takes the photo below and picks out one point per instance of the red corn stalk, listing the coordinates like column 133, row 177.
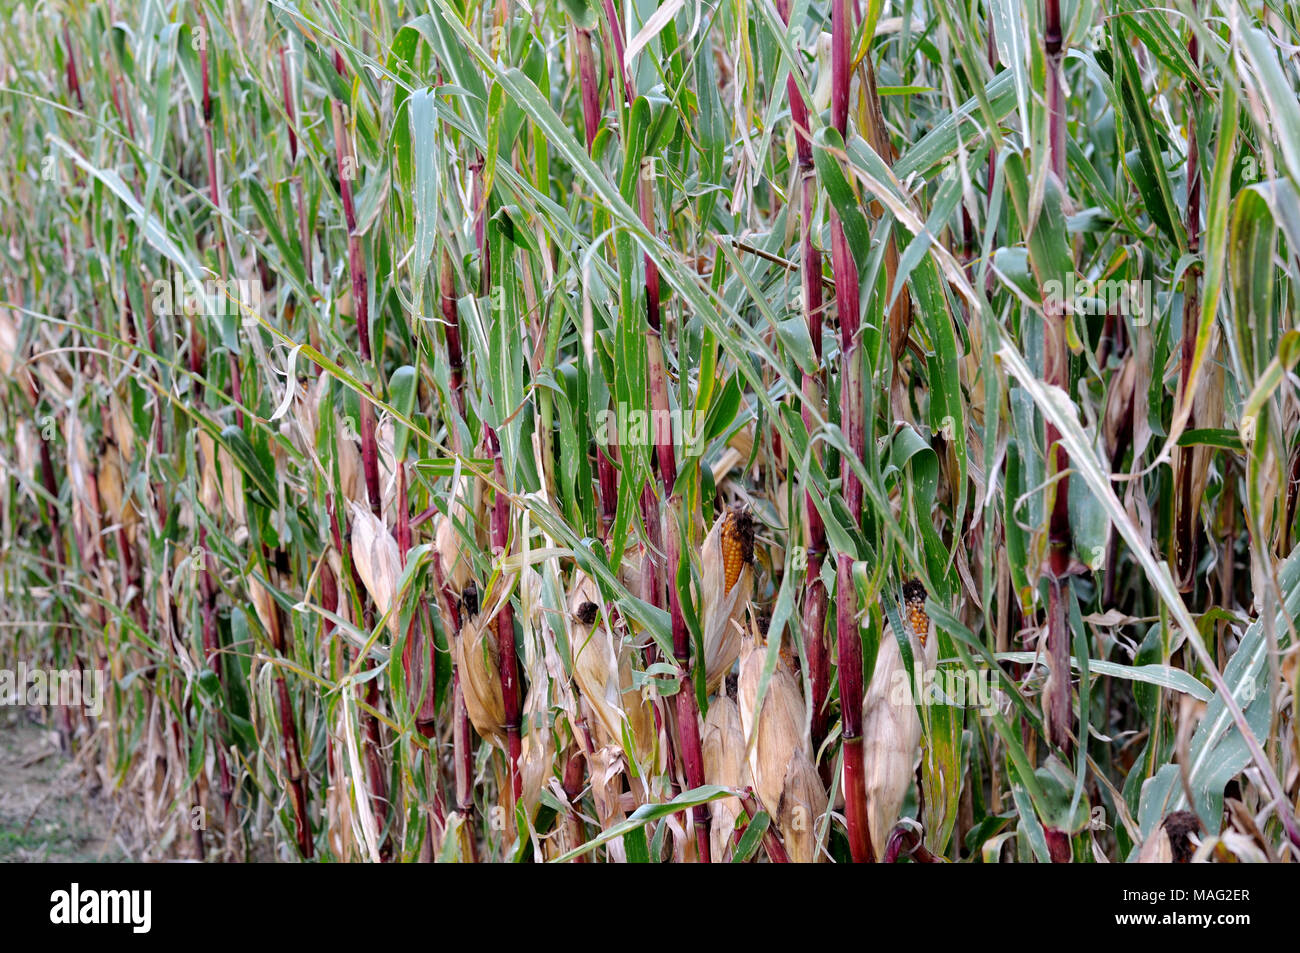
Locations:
column 462, row 750
column 304, row 232
column 688, row 719
column 776, row 851
column 1058, row 845
column 1056, row 373
column 615, row 62
column 661, row 525
column 451, row 326
column 214, row 193
column 377, row 776
column 505, row 620
column 295, row 771
column 288, row 107
column 590, row 86
column 360, row 293
column 906, row 842
column 70, row 67
column 418, row 661
column 573, row 772
column 849, row 642
column 815, row 596
column 1186, row 506
column 608, row 476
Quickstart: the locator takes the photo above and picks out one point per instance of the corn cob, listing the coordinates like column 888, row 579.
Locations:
column 737, row 546
column 1172, row 842
column 728, row 581
column 780, row 757
column 891, row 727
column 476, row 660
column 724, row 764
column 914, row 594
column 537, row 754
column 375, row 554
column 602, row 670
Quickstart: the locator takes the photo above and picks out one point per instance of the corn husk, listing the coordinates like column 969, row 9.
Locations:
column 537, row 748
column 632, row 572
column 475, row 655
column 1173, row 842
column 737, row 451
column 602, row 668
column 375, row 554
column 386, row 445
column 209, row 480
column 891, row 728
column 116, row 505
column 221, row 481
column 722, row 612
column 451, row 551
column 306, row 413
column 723, row 742
column 28, row 449
column 120, row 426
column 8, row 342
column 264, row 606
column 780, row 759
column 606, row 766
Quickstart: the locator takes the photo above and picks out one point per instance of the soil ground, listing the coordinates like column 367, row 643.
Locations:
column 46, row 814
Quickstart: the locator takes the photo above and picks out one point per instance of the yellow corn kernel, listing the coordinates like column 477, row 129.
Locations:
column 914, row 592
column 737, row 546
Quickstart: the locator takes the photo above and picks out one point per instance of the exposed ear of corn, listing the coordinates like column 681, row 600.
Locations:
column 727, row 578
column 780, row 759
column 891, row 727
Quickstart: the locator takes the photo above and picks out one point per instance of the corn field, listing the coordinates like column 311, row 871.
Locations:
column 634, row 431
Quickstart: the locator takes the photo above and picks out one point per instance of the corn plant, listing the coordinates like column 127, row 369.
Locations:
column 659, row 431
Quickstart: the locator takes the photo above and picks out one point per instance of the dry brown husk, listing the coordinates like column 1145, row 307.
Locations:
column 378, row 562
column 780, row 759
column 117, row 506
column 451, row 551
column 602, row 669
column 475, row 655
column 537, row 748
column 891, row 728
column 723, row 741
